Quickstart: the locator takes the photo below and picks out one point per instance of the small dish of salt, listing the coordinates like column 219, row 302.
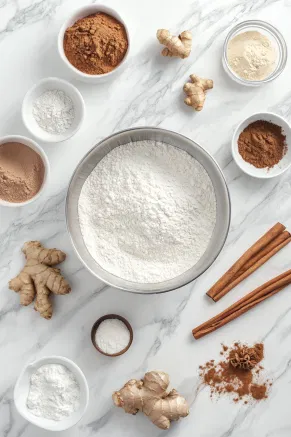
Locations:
column 53, row 110
column 112, row 335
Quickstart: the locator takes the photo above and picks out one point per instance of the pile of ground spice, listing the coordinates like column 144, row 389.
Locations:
column 96, row 44
column 233, row 376
column 262, row 144
column 21, row 172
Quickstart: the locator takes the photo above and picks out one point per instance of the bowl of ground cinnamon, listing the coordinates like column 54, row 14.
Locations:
column 94, row 43
column 261, row 145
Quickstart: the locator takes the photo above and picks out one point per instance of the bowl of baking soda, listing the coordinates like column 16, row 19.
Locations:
column 53, row 110
column 148, row 210
column 52, row 393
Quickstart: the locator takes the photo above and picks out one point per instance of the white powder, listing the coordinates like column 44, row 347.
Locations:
column 112, row 336
column 54, row 111
column 251, row 55
column 54, row 392
column 147, row 211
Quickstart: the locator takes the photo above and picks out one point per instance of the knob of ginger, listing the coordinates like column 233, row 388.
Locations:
column 179, row 46
column 195, row 91
column 38, row 279
column 150, row 395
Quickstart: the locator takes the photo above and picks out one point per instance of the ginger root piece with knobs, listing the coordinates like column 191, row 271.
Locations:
column 150, row 396
column 196, row 91
column 179, row 46
column 38, row 279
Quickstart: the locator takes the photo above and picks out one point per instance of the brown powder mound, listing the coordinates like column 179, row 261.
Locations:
column 223, row 377
column 96, row 44
column 21, row 172
column 262, row 144
column 246, row 357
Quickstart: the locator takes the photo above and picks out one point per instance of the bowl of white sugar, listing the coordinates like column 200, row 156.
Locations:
column 52, row 393
column 148, row 210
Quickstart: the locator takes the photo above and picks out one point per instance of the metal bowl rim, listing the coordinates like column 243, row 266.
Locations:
column 110, row 283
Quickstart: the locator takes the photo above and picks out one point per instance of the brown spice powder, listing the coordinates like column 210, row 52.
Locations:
column 223, row 377
column 96, row 44
column 258, row 391
column 246, row 357
column 262, row 144
column 21, row 172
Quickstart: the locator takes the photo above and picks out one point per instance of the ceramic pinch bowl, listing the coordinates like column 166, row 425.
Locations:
column 52, row 83
column 21, row 391
column 82, row 12
column 34, row 146
column 251, row 170
column 96, row 326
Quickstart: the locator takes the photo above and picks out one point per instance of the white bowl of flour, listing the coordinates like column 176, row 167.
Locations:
column 148, row 210
column 52, row 393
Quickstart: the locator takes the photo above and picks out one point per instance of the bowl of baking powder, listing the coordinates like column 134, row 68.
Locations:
column 148, row 210
column 52, row 393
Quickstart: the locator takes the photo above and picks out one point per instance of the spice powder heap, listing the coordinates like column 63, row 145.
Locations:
column 21, row 172
column 262, row 144
column 251, row 55
column 96, row 44
column 237, row 373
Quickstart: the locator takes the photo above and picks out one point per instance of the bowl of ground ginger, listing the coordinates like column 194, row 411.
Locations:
column 94, row 43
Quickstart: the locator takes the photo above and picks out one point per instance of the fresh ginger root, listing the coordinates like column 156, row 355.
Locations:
column 37, row 279
column 179, row 46
column 196, row 91
column 150, row 396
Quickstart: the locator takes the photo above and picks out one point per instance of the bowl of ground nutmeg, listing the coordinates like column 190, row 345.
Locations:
column 94, row 43
column 261, row 145
column 24, row 171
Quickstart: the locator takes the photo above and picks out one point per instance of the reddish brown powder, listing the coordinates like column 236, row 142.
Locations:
column 223, row 377
column 262, row 144
column 246, row 357
column 258, row 391
column 96, row 44
column 21, row 172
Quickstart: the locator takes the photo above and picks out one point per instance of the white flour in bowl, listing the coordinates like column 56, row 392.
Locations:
column 54, row 392
column 147, row 211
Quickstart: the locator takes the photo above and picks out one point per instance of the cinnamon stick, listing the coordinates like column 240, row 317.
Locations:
column 243, row 305
column 276, row 242
column 253, row 267
column 254, row 250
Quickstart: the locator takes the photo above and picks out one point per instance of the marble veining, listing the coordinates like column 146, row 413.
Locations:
column 149, row 92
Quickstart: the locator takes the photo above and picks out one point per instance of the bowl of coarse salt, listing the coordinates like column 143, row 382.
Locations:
column 148, row 210
column 53, row 110
column 52, row 393
column 112, row 335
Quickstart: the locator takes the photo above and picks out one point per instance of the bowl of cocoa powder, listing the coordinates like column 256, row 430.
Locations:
column 94, row 43
column 261, row 145
column 24, row 171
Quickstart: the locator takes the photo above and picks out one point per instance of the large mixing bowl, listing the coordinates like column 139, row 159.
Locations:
column 90, row 161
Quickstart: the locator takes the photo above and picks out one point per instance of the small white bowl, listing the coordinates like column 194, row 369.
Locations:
column 52, row 83
column 34, row 146
column 81, row 13
column 21, row 391
column 251, row 170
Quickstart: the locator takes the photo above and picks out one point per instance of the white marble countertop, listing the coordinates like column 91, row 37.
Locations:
column 149, row 92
